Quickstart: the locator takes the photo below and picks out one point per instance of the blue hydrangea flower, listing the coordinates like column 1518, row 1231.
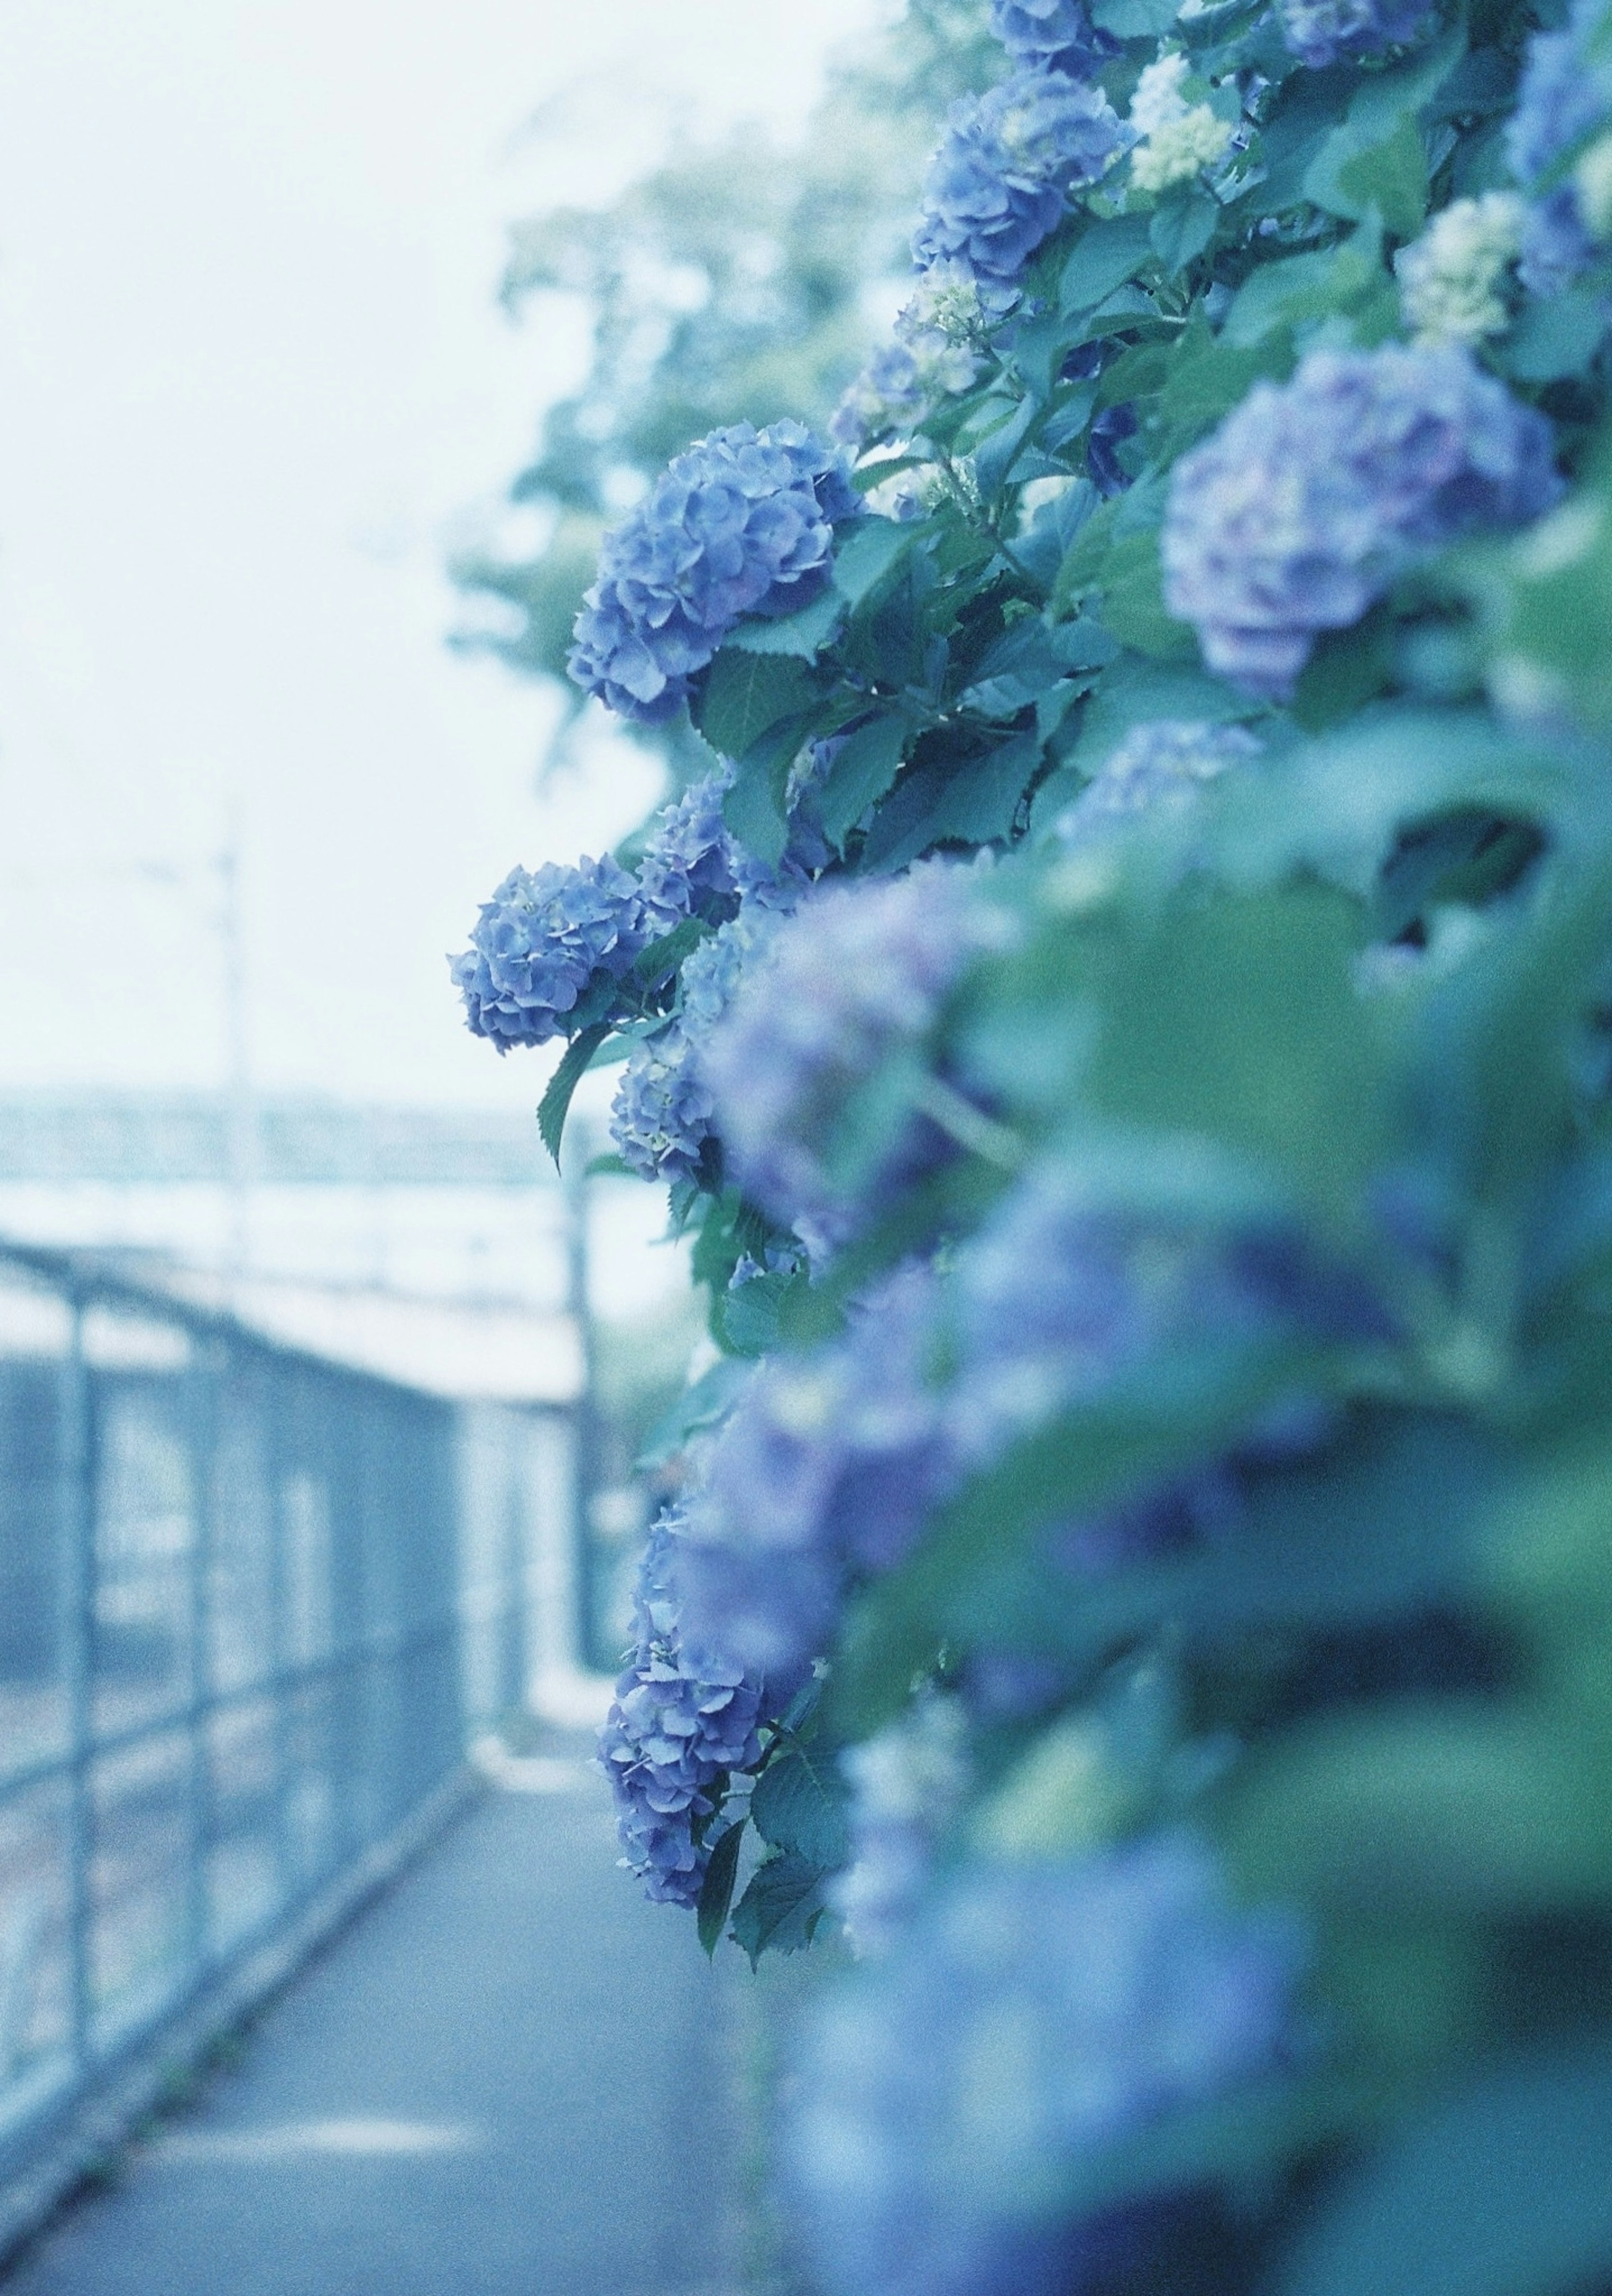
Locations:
column 544, row 939
column 827, row 1467
column 900, row 385
column 858, row 975
column 1037, row 2015
column 1048, row 35
column 742, row 523
column 1315, row 495
column 1159, row 768
column 684, row 1717
column 687, row 868
column 1565, row 92
column 1001, row 179
column 1322, row 32
column 663, row 1112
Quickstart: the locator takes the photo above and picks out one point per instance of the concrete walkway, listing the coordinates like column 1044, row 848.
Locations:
column 509, row 2077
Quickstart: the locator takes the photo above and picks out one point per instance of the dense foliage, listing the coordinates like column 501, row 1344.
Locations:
column 1126, row 1015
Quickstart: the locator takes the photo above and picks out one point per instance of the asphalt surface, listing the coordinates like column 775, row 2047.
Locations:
column 508, row 2077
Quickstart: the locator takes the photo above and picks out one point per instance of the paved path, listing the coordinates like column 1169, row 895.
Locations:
column 508, row 2078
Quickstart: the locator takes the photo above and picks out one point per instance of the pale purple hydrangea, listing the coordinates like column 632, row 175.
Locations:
column 1322, row 32
column 858, row 975
column 827, row 1467
column 1037, row 2015
column 548, row 938
column 662, row 1113
column 1001, row 180
column 1313, row 496
column 742, row 523
column 905, row 1786
column 683, row 1718
column 1159, row 768
column 687, row 868
column 1050, row 36
column 1565, row 91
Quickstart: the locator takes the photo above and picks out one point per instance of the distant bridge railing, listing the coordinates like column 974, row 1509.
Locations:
column 247, row 1621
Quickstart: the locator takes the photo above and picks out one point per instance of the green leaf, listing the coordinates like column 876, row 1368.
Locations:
column 781, row 1908
column 805, row 632
column 556, row 1102
column 1133, row 601
column 702, row 1405
column 1182, row 228
column 1390, row 178
column 658, row 960
column 754, row 807
column 745, row 693
column 973, row 803
column 875, row 548
column 1302, row 289
column 716, row 1890
column 860, row 773
column 1136, row 20
column 1505, row 2188
column 1556, row 337
column 1205, row 383
column 1105, row 257
column 799, row 1804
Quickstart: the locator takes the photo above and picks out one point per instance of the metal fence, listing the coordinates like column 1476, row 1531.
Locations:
column 238, row 1645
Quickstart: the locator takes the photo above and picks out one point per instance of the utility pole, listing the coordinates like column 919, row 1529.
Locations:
column 240, row 1106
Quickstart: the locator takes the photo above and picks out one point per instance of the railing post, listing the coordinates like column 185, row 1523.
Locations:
column 77, row 1532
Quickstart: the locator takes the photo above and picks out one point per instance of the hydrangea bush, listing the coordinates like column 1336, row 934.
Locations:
column 1124, row 1016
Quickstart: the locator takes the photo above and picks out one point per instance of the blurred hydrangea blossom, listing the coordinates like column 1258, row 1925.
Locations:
column 1160, row 766
column 742, row 523
column 1036, row 2014
column 1322, row 32
column 1176, row 140
column 1000, row 181
column 828, row 1465
column 1564, row 92
column 1450, row 278
column 683, row 1718
column 1313, row 495
column 544, row 940
column 663, row 1112
column 906, row 1784
column 858, row 976
column 1048, row 34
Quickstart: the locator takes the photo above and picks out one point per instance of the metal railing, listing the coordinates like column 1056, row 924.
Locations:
column 246, row 1617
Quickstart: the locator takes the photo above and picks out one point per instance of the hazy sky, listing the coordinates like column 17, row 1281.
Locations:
column 253, row 380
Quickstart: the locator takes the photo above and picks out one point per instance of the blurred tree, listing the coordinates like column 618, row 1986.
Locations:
column 730, row 283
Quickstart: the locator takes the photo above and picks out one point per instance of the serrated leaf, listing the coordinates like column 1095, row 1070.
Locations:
column 754, row 807
column 874, row 549
column 860, row 773
column 972, row 803
column 780, row 1909
column 802, row 634
column 1182, row 228
column 745, row 693
column 556, row 1102
column 1107, row 255
column 716, row 1890
column 799, row 1804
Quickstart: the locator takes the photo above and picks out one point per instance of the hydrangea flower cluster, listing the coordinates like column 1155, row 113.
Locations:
column 689, row 862
column 899, row 384
column 1564, row 93
column 742, row 523
column 1450, row 278
column 664, row 1111
column 906, row 1784
column 1048, row 34
column 1322, row 32
column 682, row 1719
column 544, row 939
column 1001, row 179
column 1160, row 766
column 1176, row 140
column 1315, row 495
column 829, row 1464
column 859, row 974
column 1039, row 2013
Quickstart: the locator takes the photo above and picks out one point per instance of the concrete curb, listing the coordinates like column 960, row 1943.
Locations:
column 100, row 2120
